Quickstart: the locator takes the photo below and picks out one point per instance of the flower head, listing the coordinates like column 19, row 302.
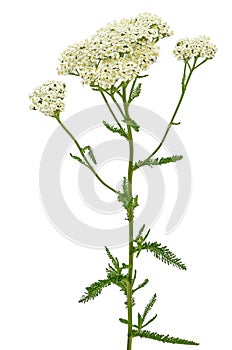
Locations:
column 116, row 53
column 49, row 98
column 197, row 47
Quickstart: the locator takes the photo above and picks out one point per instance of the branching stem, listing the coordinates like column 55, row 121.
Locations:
column 185, row 82
column 84, row 157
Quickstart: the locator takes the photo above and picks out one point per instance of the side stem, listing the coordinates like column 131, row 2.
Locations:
column 185, row 83
column 84, row 157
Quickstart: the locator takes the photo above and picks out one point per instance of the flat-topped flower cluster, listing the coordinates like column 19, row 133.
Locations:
column 49, row 97
column 197, row 47
column 116, row 53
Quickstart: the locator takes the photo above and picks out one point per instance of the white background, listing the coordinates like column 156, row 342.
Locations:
column 42, row 274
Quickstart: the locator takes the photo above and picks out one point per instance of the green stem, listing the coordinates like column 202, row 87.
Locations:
column 118, row 105
column 131, row 224
column 112, row 112
column 185, row 83
column 84, row 157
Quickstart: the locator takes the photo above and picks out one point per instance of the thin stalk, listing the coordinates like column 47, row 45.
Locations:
column 84, row 157
column 185, row 83
column 118, row 105
column 113, row 114
column 131, row 224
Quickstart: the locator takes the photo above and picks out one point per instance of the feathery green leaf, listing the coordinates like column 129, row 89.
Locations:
column 149, row 306
column 115, row 129
column 156, row 161
column 162, row 338
column 164, row 254
column 126, row 199
column 135, row 92
column 78, row 159
column 114, row 260
column 90, row 153
column 151, row 320
column 92, row 156
column 94, row 290
column 141, row 285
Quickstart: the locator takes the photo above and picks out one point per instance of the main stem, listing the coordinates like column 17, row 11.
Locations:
column 131, row 224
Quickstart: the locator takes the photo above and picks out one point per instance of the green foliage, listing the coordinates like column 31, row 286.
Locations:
column 115, row 129
column 94, row 290
column 114, row 260
column 135, row 92
column 156, row 161
column 78, row 159
column 132, row 123
column 163, row 254
column 141, row 318
column 151, row 320
column 90, row 153
column 122, row 320
column 115, row 273
column 162, row 338
column 149, row 306
column 141, row 285
column 114, row 276
column 140, row 239
column 128, row 202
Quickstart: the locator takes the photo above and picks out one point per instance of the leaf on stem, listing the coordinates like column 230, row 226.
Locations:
column 162, row 338
column 114, row 129
column 149, row 306
column 126, row 199
column 135, row 92
column 141, row 285
column 151, row 320
column 164, row 254
column 78, row 159
column 90, row 153
column 156, row 161
column 114, row 260
column 122, row 320
column 132, row 123
column 92, row 156
column 94, row 290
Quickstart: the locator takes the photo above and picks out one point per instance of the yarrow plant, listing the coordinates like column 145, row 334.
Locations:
column 113, row 62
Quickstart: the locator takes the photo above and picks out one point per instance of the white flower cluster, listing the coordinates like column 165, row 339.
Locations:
column 49, row 97
column 117, row 52
column 197, row 47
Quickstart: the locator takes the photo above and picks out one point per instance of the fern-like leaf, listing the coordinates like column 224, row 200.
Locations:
column 78, row 159
column 164, row 254
column 91, row 155
column 114, row 129
column 162, row 338
column 94, row 290
column 114, row 260
column 149, row 306
column 135, row 92
column 157, row 161
column 141, row 285
column 151, row 320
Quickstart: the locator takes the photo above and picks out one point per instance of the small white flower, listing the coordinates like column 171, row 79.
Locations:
column 197, row 47
column 49, row 97
column 117, row 52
